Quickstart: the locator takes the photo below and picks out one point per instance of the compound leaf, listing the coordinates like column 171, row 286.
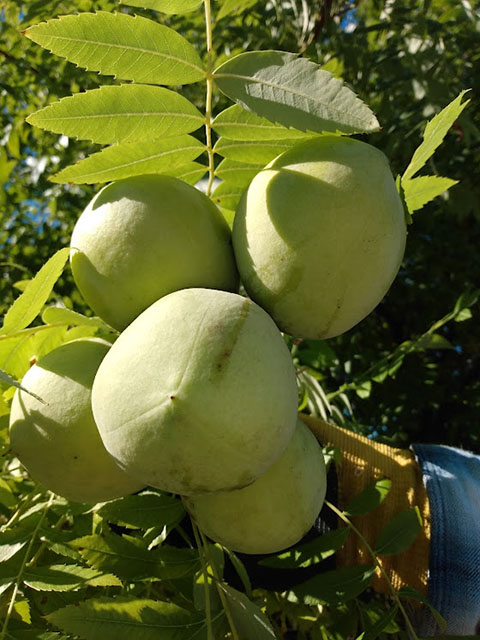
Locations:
column 166, row 6
column 132, row 159
column 127, row 47
column 125, row 113
column 236, row 123
column 191, row 172
column 294, row 92
column 434, row 133
column 419, row 191
column 125, row 618
column 29, row 304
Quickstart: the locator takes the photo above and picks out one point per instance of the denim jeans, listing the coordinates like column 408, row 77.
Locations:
column 452, row 480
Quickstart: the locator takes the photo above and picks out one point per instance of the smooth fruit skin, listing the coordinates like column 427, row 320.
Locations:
column 319, row 236
column 58, row 442
column 144, row 237
column 198, row 394
column 274, row 512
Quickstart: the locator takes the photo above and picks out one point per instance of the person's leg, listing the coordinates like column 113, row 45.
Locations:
column 452, row 479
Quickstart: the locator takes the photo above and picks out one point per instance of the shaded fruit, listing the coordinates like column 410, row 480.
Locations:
column 274, row 512
column 319, row 235
column 58, row 442
column 198, row 394
column 146, row 236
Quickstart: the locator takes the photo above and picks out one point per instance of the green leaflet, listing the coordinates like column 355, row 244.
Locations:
column 127, row 47
column 227, row 195
column 11, row 382
column 131, row 159
column 258, row 152
column 127, row 558
column 191, row 172
column 294, row 92
column 434, row 133
column 419, row 191
column 248, row 618
column 370, row 498
column 53, row 315
column 339, row 585
column 399, row 533
column 166, row 6
column 309, row 553
column 146, row 510
column 125, row 113
column 234, row 6
column 237, row 173
column 236, row 123
column 125, row 618
column 29, row 304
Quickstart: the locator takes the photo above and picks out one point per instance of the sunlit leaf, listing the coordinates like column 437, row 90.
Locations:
column 258, row 152
column 166, row 6
column 132, row 159
column 237, row 173
column 227, row 195
column 434, row 133
column 237, row 123
column 419, row 191
column 294, row 92
column 29, row 304
column 67, row 577
column 54, row 315
column 125, row 113
column 309, row 553
column 129, row 560
column 126, row 618
column 128, row 47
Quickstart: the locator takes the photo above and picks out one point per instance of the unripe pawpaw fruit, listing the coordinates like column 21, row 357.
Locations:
column 198, row 394
column 146, row 236
column 319, row 235
column 57, row 440
column 274, row 512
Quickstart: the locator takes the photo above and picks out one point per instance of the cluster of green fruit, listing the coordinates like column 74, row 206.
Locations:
column 198, row 394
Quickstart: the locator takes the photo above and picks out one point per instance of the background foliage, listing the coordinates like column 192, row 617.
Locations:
column 410, row 372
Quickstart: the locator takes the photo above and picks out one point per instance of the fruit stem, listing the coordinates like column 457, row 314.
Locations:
column 22, row 567
column 343, row 517
column 209, row 97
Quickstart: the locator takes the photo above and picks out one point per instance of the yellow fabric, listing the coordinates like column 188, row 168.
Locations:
column 364, row 461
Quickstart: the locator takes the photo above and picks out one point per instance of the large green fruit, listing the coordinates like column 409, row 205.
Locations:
column 57, row 440
column 319, row 236
column 143, row 237
column 198, row 394
column 276, row 510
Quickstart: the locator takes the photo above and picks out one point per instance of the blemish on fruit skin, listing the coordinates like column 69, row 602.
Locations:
column 229, row 339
